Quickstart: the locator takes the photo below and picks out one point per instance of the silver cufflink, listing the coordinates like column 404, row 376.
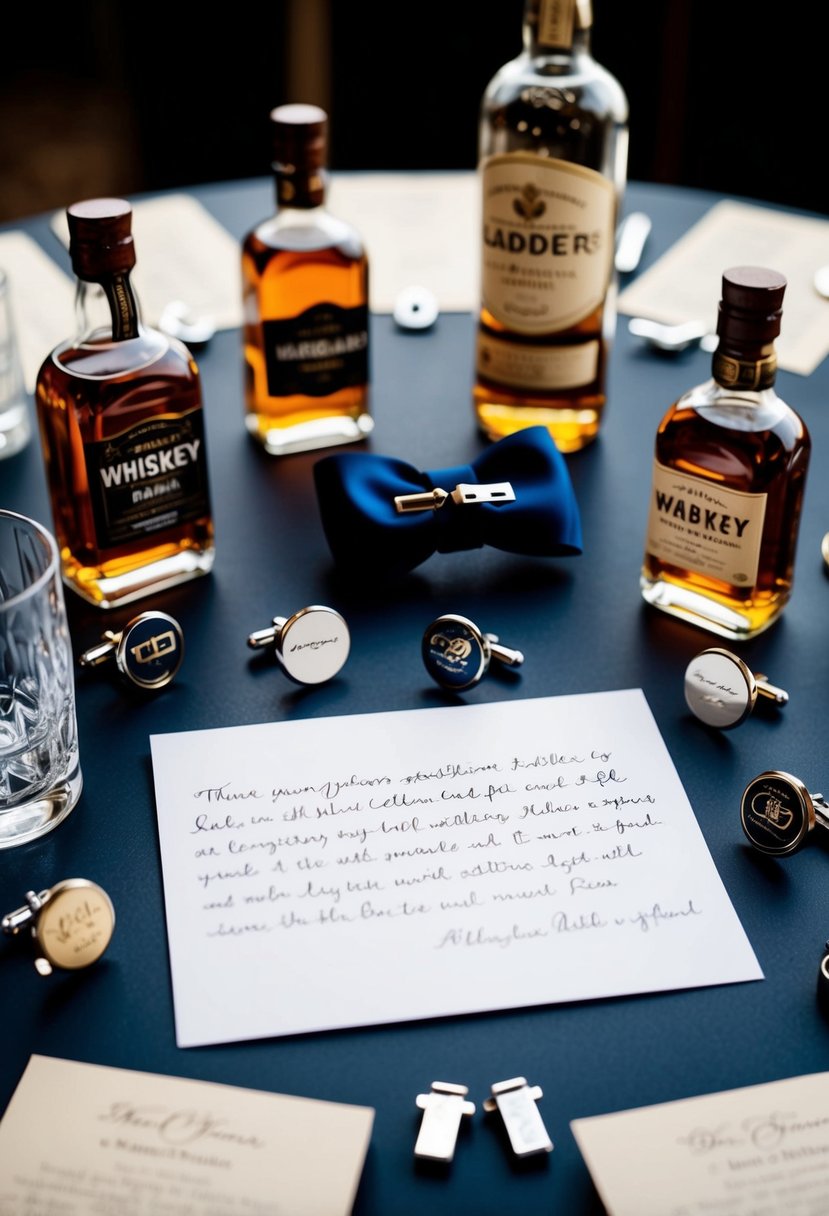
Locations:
column 147, row 651
column 778, row 813
column 721, row 691
column 415, row 308
column 312, row 645
column 443, row 1108
column 515, row 1101
column 465, row 494
column 457, row 654
column 823, row 979
column 71, row 924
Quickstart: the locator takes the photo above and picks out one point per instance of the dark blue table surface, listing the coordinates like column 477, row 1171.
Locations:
column 583, row 627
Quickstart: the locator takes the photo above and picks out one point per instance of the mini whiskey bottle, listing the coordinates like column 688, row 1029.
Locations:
column 729, row 475
column 122, row 429
column 305, row 289
column 553, row 164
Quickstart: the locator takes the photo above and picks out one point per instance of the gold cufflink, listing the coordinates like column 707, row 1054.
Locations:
column 721, row 690
column 515, row 1101
column 311, row 646
column 443, row 1108
column 147, row 651
column 464, row 495
column 457, row 654
column 71, row 924
column 778, row 813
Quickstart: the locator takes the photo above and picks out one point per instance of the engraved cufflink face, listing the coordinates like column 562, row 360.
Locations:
column 147, row 652
column 311, row 646
column 457, row 654
column 778, row 813
column 71, row 924
column 721, row 691
column 516, row 1102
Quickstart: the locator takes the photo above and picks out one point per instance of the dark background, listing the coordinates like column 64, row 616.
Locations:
column 100, row 97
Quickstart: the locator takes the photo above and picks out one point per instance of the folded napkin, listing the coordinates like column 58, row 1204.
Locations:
column 367, row 531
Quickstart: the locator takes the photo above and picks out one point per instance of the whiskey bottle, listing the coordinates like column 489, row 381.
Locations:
column 553, row 163
column 729, row 475
column 305, row 289
column 120, row 414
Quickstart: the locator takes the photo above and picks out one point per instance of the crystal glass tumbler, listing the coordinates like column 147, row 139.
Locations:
column 40, row 776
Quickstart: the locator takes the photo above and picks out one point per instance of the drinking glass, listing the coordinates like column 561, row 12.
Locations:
column 15, row 428
column 40, row 775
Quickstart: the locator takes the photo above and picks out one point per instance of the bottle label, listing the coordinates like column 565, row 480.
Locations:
column 318, row 352
column 704, row 527
column 555, row 23
column 536, row 368
column 547, row 241
column 149, row 478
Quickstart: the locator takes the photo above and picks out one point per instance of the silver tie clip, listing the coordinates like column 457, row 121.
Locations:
column 462, row 495
column 443, row 1110
column 516, row 1102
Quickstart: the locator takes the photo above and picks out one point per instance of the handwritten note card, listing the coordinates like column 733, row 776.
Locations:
column 383, row 867
column 82, row 1138
column 762, row 1149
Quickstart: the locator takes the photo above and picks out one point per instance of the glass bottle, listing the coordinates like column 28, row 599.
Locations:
column 305, row 291
column 729, row 475
column 122, row 428
column 553, row 165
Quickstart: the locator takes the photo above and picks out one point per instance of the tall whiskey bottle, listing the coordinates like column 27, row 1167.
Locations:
column 729, row 475
column 553, row 164
column 121, row 423
column 305, row 290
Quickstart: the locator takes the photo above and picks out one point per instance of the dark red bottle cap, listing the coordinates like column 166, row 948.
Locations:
column 751, row 305
column 100, row 237
column 299, row 138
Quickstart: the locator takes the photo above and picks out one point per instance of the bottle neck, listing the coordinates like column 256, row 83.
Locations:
column 300, row 189
column 744, row 367
column 109, row 303
column 556, row 27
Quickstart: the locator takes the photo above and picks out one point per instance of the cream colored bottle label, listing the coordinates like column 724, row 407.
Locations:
column 547, row 241
column 704, row 527
column 537, row 368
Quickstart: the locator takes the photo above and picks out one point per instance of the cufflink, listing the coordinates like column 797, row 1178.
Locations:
column 515, row 1101
column 415, row 308
column 721, row 691
column 778, row 813
column 823, row 980
column 311, row 646
column 147, row 652
column 71, row 924
column 443, row 1108
column 457, row 654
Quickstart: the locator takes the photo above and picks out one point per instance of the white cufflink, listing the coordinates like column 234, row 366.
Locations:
column 515, row 1101
column 443, row 1108
column 311, row 646
column 721, row 691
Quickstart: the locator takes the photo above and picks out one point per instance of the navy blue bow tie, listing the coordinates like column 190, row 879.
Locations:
column 380, row 514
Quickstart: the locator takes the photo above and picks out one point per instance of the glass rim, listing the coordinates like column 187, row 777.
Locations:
column 52, row 566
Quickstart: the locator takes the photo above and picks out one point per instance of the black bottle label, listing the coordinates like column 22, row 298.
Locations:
column 317, row 353
column 148, row 479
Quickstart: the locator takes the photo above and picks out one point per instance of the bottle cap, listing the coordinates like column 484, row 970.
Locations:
column 299, row 137
column 751, row 304
column 100, row 237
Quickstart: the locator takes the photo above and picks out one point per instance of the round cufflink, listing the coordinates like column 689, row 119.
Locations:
column 147, row 651
column 457, row 654
column 721, row 690
column 71, row 924
column 311, row 646
column 823, row 980
column 415, row 308
column 778, row 813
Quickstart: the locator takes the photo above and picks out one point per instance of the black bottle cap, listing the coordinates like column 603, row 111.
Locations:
column 100, row 237
column 751, row 305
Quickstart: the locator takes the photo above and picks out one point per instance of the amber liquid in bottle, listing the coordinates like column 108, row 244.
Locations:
column 98, row 391
column 557, row 107
column 305, row 292
column 725, row 438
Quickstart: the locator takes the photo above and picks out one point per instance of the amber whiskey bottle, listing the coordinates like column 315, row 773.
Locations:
column 552, row 167
column 728, row 479
column 121, row 424
column 305, row 290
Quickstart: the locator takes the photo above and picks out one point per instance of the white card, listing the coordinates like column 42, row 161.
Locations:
column 42, row 301
column 383, row 867
column 762, row 1149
